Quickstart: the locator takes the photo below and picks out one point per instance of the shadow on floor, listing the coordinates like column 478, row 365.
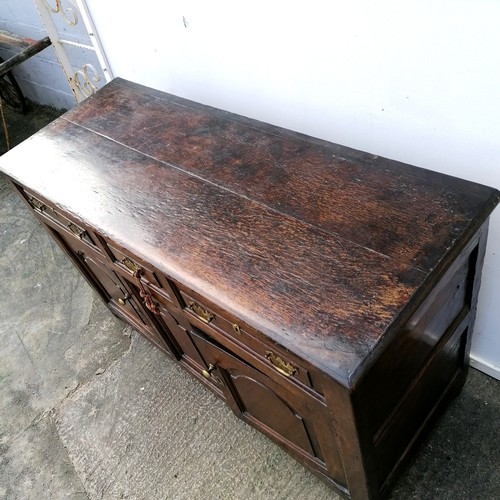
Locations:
column 20, row 127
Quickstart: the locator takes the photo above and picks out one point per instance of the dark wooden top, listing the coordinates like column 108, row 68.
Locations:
column 319, row 246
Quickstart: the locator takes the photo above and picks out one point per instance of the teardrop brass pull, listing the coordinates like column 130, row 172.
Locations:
column 208, row 373
column 122, row 300
column 212, row 376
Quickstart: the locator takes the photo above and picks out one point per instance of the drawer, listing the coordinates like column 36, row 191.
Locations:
column 128, row 265
column 62, row 221
column 221, row 325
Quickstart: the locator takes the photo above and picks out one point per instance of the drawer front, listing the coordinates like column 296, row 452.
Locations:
column 46, row 212
column 130, row 266
column 235, row 334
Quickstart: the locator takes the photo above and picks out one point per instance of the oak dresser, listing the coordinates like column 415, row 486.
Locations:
column 326, row 294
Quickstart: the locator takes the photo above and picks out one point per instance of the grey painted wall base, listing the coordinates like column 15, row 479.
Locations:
column 41, row 78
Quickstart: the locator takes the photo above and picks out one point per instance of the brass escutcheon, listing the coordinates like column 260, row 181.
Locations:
column 236, row 329
column 280, row 365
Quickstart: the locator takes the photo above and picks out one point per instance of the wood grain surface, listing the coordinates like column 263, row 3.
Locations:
column 318, row 246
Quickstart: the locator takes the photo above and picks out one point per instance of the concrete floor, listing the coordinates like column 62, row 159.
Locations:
column 89, row 409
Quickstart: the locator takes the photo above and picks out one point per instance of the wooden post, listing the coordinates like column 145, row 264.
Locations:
column 29, row 51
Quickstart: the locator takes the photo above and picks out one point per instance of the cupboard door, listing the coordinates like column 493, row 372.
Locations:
column 115, row 292
column 175, row 323
column 293, row 419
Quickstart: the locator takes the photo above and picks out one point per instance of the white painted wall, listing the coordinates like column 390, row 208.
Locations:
column 417, row 81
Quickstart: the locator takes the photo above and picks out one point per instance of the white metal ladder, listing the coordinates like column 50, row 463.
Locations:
column 83, row 81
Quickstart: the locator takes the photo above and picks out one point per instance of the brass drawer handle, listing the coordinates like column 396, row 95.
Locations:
column 131, row 265
column 38, row 205
column 77, row 231
column 280, row 365
column 201, row 313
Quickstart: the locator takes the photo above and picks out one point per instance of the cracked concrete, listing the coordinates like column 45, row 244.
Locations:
column 155, row 442
column 90, row 410
column 36, row 465
column 54, row 338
